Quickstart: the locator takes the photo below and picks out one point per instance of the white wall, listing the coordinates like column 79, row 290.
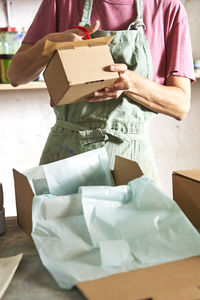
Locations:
column 177, row 144
column 25, row 120
column 22, row 12
column 26, row 117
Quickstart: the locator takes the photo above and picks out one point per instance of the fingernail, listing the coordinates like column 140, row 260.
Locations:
column 112, row 68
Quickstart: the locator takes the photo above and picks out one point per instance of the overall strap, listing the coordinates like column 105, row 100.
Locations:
column 87, row 10
column 139, row 19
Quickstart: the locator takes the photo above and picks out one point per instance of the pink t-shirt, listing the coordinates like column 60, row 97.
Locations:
column 166, row 24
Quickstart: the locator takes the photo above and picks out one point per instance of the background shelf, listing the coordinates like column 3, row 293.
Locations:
column 28, row 86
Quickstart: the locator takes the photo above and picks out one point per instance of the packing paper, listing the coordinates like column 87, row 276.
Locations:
column 65, row 176
column 105, row 230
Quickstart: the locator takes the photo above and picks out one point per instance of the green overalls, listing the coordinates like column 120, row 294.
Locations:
column 121, row 125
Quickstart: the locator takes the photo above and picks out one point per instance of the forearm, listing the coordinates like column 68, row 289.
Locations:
column 28, row 62
column 170, row 100
column 26, row 65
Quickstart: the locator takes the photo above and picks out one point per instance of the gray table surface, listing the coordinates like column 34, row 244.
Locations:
column 31, row 280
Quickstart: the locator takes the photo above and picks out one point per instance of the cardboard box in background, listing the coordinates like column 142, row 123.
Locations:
column 186, row 192
column 78, row 70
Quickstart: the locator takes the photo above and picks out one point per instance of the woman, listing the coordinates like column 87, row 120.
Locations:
column 152, row 54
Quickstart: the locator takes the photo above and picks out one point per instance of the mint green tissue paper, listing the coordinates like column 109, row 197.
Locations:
column 104, row 230
column 65, row 176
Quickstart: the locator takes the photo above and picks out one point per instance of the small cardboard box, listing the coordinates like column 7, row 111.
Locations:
column 78, row 69
column 186, row 192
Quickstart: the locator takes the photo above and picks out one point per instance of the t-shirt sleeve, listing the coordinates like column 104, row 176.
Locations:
column 179, row 50
column 45, row 22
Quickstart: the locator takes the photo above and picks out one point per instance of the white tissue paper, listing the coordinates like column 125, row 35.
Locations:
column 65, row 176
column 105, row 230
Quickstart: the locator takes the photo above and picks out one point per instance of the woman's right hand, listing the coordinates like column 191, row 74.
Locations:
column 29, row 62
column 72, row 34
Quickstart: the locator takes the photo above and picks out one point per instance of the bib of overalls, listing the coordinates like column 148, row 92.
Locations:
column 121, row 125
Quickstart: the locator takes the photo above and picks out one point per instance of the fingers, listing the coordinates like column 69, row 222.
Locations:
column 94, row 27
column 103, row 95
column 90, row 29
column 118, row 86
column 74, row 34
column 110, row 92
column 98, row 99
column 118, row 68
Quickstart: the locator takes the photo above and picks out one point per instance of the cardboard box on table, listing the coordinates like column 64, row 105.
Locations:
column 124, row 171
column 174, row 280
column 77, row 69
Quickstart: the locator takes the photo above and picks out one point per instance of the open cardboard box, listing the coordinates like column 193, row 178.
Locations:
column 174, row 280
column 77, row 69
column 124, row 171
column 186, row 192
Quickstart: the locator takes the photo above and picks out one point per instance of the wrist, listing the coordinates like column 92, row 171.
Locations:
column 130, row 77
column 39, row 48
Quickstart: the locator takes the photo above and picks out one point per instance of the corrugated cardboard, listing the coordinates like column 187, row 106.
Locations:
column 77, row 69
column 179, row 280
column 186, row 192
column 124, row 171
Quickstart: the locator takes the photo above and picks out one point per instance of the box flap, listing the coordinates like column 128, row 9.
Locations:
column 191, row 174
column 50, row 46
column 24, row 196
column 186, row 193
column 174, row 280
column 125, row 170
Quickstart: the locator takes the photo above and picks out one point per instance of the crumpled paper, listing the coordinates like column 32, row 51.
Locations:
column 106, row 230
column 65, row 176
column 153, row 225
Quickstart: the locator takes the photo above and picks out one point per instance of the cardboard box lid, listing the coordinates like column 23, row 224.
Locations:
column 50, row 46
column 179, row 280
column 190, row 174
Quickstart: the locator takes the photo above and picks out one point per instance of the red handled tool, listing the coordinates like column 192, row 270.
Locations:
column 88, row 37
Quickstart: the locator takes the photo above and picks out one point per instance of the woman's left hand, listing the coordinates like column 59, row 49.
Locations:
column 123, row 83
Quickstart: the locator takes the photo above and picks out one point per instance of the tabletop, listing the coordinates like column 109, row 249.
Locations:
column 31, row 280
